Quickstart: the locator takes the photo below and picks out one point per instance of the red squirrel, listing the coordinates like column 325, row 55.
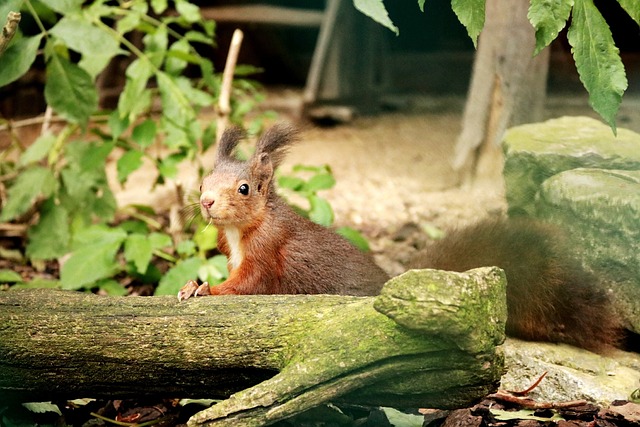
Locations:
column 550, row 297
column 270, row 248
column 273, row 250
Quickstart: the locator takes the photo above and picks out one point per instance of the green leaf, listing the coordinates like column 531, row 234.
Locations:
column 89, row 157
column 523, row 414
column 127, row 163
column 9, row 276
column 214, row 270
column 400, row 419
column 186, row 248
column 156, row 45
column 117, row 124
column 421, row 5
column 197, row 36
column 128, row 22
column 632, row 7
column 112, row 287
column 49, row 238
column 94, row 257
column 209, row 136
column 176, row 106
column 190, row 12
column 70, row 90
column 135, row 99
column 311, row 168
column 174, row 64
column 134, row 226
column 96, row 46
column 133, row 17
column 206, row 237
column 138, row 250
column 145, row 133
column 243, row 70
column 159, row 6
column 175, row 278
column 159, row 240
column 168, row 167
column 291, row 182
column 355, row 237
column 597, row 60
column 470, row 13
column 18, row 58
column 7, row 6
column 86, row 190
column 65, row 6
column 194, row 96
column 200, row 402
column 320, row 212
column 38, row 150
column 28, row 187
column 42, row 407
column 375, row 10
column 37, row 284
column 548, row 17
column 318, row 182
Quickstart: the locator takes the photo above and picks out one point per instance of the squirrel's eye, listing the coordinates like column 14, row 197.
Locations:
column 243, row 189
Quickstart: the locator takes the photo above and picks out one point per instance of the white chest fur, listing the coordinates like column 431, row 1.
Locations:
column 234, row 236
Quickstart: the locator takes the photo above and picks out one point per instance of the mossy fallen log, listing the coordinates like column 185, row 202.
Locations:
column 428, row 340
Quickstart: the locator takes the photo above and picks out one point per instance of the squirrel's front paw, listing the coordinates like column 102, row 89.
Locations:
column 192, row 289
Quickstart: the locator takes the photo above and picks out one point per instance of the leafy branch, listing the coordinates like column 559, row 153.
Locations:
column 596, row 56
column 58, row 187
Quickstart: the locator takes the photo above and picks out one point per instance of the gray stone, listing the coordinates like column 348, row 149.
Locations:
column 572, row 373
column 535, row 152
column 600, row 209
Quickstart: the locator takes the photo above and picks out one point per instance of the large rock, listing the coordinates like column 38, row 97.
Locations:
column 535, row 152
column 572, row 373
column 600, row 209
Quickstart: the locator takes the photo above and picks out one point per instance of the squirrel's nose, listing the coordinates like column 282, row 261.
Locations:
column 206, row 202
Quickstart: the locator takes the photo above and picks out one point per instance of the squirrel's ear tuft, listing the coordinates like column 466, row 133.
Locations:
column 275, row 142
column 262, row 169
column 228, row 142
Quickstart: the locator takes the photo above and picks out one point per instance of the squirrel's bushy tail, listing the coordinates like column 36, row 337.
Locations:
column 550, row 297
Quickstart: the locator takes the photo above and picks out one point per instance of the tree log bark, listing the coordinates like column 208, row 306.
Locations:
column 428, row 340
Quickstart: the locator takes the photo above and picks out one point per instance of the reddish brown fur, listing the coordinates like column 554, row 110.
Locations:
column 550, row 297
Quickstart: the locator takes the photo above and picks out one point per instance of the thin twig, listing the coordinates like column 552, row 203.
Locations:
column 96, row 118
column 224, row 102
column 46, row 122
column 9, row 30
column 528, row 403
column 527, row 391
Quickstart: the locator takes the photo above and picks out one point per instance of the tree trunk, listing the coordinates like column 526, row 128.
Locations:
column 507, row 88
column 428, row 340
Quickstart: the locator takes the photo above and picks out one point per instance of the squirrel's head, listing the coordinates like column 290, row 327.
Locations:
column 236, row 192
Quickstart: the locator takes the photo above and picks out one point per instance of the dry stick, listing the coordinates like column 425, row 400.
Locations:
column 9, row 30
column 528, row 403
column 528, row 390
column 224, row 102
column 46, row 122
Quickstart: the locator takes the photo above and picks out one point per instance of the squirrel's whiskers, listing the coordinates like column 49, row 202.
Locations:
column 190, row 213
